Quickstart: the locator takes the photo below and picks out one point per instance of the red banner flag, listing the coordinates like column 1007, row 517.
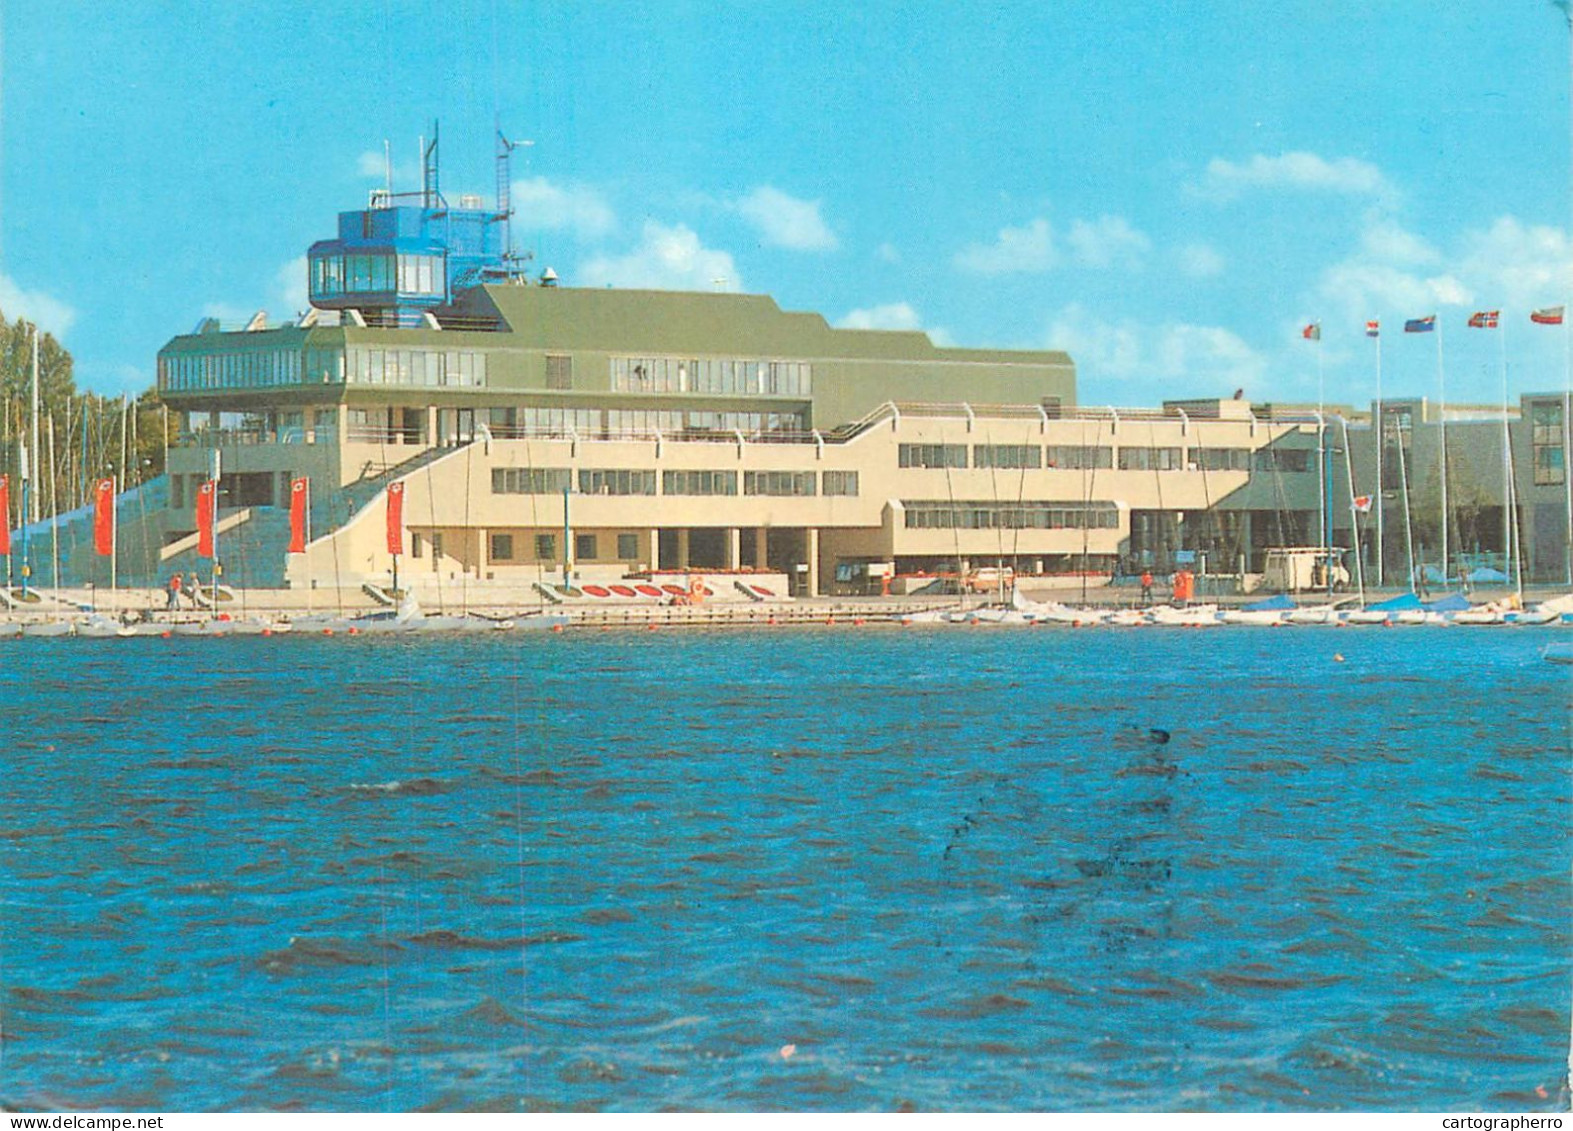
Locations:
column 206, row 495
column 5, row 515
column 298, row 494
column 395, row 518
column 104, row 517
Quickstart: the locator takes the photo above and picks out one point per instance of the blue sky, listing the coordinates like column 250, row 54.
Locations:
column 1168, row 190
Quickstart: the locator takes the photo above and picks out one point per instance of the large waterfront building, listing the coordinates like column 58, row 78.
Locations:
column 539, row 429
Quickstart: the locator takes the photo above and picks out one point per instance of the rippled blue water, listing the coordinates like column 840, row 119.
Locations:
column 627, row 871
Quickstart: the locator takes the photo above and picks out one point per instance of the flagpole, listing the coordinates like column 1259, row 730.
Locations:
column 1567, row 438
column 1381, row 448
column 1441, row 416
column 32, row 434
column 1507, row 461
column 1323, row 541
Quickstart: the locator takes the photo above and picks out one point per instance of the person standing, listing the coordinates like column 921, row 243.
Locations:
column 172, row 590
column 1146, row 586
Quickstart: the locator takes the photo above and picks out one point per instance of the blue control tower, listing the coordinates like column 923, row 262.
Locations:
column 408, row 253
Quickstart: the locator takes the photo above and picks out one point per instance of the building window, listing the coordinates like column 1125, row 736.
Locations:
column 609, row 481
column 1150, row 459
column 584, row 548
column 530, row 480
column 1546, row 443
column 546, row 547
column 933, row 455
column 628, row 547
column 839, row 483
column 726, row 376
column 1223, row 459
column 502, row 547
column 559, row 371
column 417, row 545
column 1011, row 456
column 699, row 483
column 1079, row 457
column 436, row 549
column 1284, row 459
column 789, row 483
column 925, row 515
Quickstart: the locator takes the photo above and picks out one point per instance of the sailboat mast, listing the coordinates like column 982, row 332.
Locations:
column 1354, row 513
column 1381, row 449
column 54, row 510
column 1403, row 484
column 32, row 432
column 1441, row 416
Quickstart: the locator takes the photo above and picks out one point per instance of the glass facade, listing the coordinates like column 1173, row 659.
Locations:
column 430, row 368
column 335, row 275
column 725, row 376
column 1546, row 438
column 1151, row 459
column 924, row 515
column 230, row 369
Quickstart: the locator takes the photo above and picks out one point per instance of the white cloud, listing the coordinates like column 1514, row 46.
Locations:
column 890, row 316
column 786, row 221
column 1510, row 264
column 1155, row 361
column 1225, row 180
column 580, row 209
column 667, row 258
column 1028, row 249
column 372, row 164
column 54, row 316
column 1108, row 241
column 887, row 253
column 1517, row 266
column 290, row 284
column 1200, row 261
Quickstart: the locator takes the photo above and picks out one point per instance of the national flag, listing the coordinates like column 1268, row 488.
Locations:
column 1373, row 329
column 396, row 518
column 1484, row 319
column 5, row 515
column 1363, row 504
column 1547, row 316
column 1313, row 332
column 104, row 517
column 298, row 495
column 1420, row 325
column 207, row 496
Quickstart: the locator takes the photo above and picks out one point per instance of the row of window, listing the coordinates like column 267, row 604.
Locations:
column 586, row 548
column 1081, row 458
column 432, row 368
column 333, row 275
column 734, row 377
column 1011, row 516
column 229, row 369
column 609, row 423
column 629, row 481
